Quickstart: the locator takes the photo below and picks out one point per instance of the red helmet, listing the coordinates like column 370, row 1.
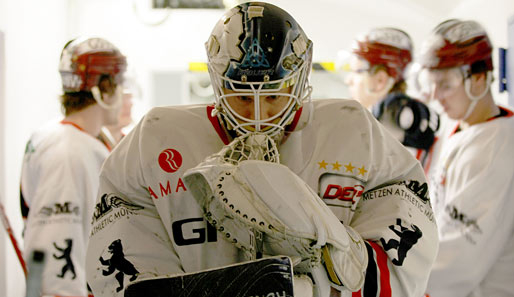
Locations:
column 456, row 43
column 84, row 60
column 389, row 47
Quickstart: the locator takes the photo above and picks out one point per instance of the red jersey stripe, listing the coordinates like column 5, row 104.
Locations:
column 385, row 284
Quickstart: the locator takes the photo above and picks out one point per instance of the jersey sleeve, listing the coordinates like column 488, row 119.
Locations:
column 129, row 239
column 395, row 219
column 57, row 220
column 475, row 219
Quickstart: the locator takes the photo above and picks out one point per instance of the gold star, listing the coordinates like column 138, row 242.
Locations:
column 349, row 167
column 336, row 166
column 362, row 170
column 322, row 164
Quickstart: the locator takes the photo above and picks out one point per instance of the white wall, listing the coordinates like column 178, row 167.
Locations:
column 34, row 35
column 3, row 266
column 3, row 238
column 37, row 30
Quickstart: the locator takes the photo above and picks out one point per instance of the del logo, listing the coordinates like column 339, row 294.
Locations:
column 343, row 193
column 170, row 160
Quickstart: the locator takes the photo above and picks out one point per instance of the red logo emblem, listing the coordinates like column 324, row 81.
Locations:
column 344, row 194
column 170, row 160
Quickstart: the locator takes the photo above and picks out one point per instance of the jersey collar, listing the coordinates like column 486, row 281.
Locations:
column 64, row 122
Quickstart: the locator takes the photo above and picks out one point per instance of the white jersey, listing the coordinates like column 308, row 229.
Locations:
column 148, row 224
column 59, row 184
column 473, row 203
column 446, row 128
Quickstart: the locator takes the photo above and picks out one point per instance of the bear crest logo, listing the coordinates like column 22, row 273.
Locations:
column 118, row 262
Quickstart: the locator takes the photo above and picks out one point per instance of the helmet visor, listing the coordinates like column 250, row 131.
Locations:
column 437, row 83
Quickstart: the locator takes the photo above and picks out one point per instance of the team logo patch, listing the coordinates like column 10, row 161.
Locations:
column 66, row 212
column 66, row 208
column 66, row 256
column 341, row 192
column 110, row 209
column 110, row 201
column 409, row 236
column 170, row 160
column 344, row 190
column 119, row 263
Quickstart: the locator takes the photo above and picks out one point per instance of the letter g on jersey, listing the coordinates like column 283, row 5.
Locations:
column 193, row 231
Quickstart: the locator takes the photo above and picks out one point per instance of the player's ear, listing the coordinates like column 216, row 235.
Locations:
column 379, row 80
column 107, row 85
column 478, row 82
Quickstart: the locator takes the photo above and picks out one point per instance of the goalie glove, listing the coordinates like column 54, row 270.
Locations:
column 262, row 206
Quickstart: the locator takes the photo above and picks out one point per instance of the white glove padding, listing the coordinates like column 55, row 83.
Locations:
column 302, row 286
column 258, row 202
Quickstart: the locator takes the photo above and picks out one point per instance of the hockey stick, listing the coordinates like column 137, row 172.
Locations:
column 14, row 242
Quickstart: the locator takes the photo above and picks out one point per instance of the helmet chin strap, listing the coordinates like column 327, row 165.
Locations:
column 474, row 99
column 118, row 93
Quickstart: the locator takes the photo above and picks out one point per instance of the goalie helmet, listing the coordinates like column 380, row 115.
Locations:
column 456, row 43
column 257, row 49
column 389, row 47
column 85, row 60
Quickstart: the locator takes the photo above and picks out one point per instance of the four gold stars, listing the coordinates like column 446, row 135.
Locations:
column 348, row 167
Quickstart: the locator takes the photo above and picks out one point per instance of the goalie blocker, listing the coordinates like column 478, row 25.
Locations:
column 264, row 277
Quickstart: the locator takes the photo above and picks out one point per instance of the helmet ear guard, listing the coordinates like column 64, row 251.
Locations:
column 118, row 94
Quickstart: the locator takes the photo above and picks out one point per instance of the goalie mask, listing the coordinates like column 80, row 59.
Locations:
column 85, row 61
column 258, row 50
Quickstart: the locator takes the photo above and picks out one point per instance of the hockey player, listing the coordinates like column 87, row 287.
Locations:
column 62, row 161
column 377, row 80
column 148, row 223
column 474, row 178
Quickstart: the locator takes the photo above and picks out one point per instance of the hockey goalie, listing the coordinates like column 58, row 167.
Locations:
column 265, row 192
